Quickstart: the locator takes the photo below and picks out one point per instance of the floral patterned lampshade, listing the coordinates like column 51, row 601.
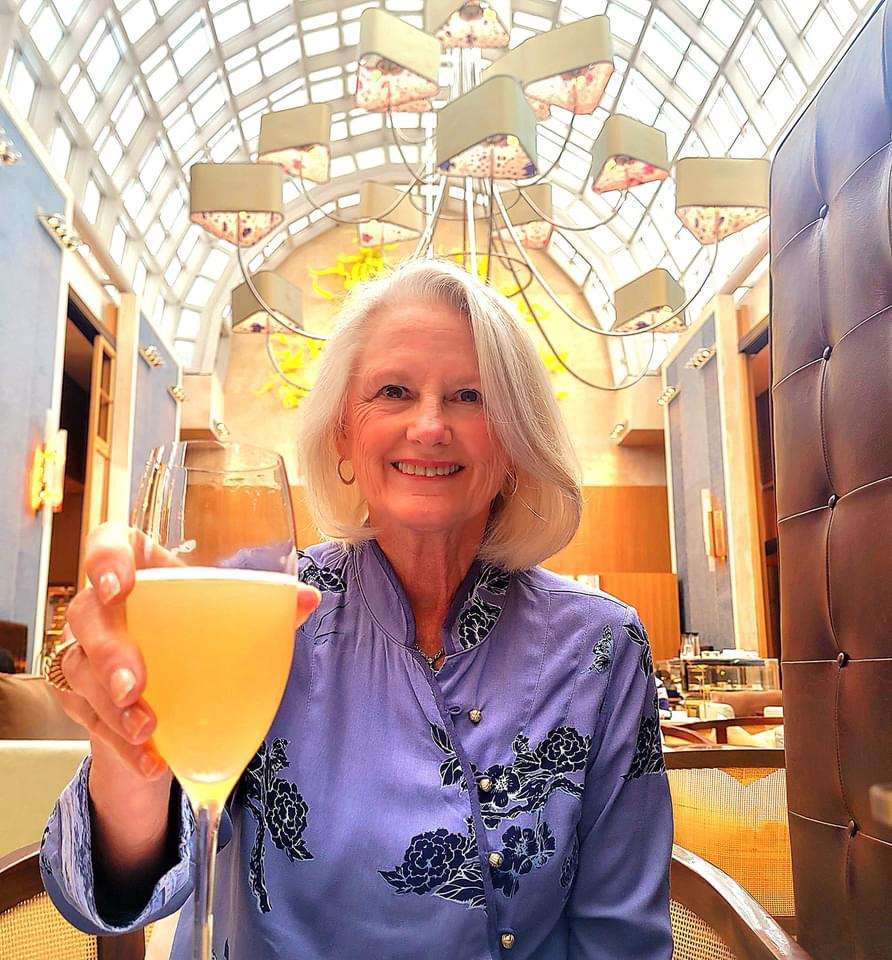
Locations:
column 298, row 141
column 717, row 196
column 398, row 64
column 386, row 218
column 488, row 132
column 238, row 202
column 485, row 24
column 627, row 153
column 282, row 297
column 568, row 67
column 526, row 217
column 650, row 298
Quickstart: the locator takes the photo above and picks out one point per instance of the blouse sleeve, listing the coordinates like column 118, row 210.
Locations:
column 66, row 865
column 619, row 904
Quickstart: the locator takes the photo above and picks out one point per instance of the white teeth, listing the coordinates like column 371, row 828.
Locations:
column 413, row 471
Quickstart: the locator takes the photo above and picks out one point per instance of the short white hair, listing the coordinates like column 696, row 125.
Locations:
column 528, row 523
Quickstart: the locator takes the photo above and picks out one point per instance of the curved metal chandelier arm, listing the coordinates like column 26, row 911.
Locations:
column 344, row 221
column 285, row 321
column 557, row 356
column 542, row 176
column 425, row 240
column 417, row 177
column 565, row 226
column 579, row 323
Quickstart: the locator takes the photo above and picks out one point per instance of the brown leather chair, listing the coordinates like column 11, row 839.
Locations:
column 831, row 356
column 30, row 926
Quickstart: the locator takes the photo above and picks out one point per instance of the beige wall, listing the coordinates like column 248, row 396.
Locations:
column 590, row 414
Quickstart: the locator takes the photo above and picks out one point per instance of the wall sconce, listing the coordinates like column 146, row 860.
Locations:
column 619, row 429
column 178, row 393
column 713, row 530
column 701, row 357
column 667, row 395
column 152, row 355
column 47, row 485
column 221, row 430
column 60, row 231
column 8, row 155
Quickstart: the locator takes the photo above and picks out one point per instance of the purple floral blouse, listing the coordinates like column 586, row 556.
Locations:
column 513, row 804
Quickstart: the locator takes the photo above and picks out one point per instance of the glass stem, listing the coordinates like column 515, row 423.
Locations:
column 207, row 823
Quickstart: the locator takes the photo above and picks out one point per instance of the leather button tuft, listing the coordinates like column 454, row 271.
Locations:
column 853, row 828
column 827, row 351
column 508, row 940
column 832, row 501
column 495, row 859
column 485, row 784
column 842, row 659
column 475, row 715
column 823, row 211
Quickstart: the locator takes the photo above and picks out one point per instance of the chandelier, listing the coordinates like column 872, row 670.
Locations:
column 483, row 140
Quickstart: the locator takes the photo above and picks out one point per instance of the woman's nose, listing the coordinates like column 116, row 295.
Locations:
column 428, row 426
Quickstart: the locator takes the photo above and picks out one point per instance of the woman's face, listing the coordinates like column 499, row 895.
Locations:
column 415, row 402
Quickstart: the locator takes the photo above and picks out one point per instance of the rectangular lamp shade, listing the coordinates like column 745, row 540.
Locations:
column 297, row 140
column 238, row 202
column 526, row 217
column 483, row 24
column 398, row 64
column 717, row 196
column 488, row 132
column 387, row 215
column 647, row 300
column 628, row 153
column 282, row 297
column 568, row 67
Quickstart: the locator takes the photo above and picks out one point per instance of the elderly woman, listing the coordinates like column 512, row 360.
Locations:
column 466, row 762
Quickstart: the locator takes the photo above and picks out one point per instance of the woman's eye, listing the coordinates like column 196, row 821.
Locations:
column 469, row 396
column 392, row 391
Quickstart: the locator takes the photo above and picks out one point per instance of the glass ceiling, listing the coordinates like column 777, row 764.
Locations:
column 126, row 95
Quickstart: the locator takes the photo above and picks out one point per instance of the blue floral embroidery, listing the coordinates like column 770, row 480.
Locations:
column 525, row 785
column 326, row 579
column 523, row 849
column 637, row 634
column 478, row 616
column 648, row 756
column 443, row 864
column 603, row 651
column 225, row 951
column 278, row 807
column 570, row 864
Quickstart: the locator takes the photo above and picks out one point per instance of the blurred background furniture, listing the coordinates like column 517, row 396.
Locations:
column 713, row 918
column 748, row 703
column 737, row 731
column 831, row 352
column 14, row 638
column 32, row 929
column 730, row 808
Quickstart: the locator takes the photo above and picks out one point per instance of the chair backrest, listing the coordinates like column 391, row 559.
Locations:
column 30, row 926
column 730, row 807
column 714, row 918
column 831, row 376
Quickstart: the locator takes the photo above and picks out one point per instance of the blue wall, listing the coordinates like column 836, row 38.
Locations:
column 30, row 272
column 156, row 410
column 697, row 464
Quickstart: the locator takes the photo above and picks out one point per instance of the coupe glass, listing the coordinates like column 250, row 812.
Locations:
column 215, row 623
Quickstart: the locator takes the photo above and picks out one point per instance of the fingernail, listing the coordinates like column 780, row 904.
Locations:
column 121, row 684
column 136, row 723
column 109, row 586
column 150, row 765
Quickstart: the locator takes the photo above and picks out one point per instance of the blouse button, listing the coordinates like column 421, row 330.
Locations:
column 475, row 715
column 485, row 784
column 508, row 940
column 495, row 859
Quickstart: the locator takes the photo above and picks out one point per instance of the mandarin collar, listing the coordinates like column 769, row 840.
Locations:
column 473, row 613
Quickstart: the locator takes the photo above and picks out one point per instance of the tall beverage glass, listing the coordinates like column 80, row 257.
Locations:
column 215, row 624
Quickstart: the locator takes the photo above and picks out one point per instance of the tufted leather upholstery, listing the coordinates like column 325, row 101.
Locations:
column 831, row 354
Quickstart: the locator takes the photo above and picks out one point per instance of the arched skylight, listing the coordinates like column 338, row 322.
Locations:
column 127, row 95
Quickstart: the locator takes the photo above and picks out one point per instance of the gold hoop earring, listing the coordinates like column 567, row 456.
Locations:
column 341, row 475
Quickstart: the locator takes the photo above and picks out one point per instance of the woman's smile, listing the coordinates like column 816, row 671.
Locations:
column 426, row 469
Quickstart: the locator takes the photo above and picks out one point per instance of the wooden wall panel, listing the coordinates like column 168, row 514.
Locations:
column 655, row 597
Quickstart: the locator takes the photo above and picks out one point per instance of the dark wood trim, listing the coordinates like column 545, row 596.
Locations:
column 731, row 912
column 715, row 757
column 20, row 880
column 681, row 732
column 721, row 726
